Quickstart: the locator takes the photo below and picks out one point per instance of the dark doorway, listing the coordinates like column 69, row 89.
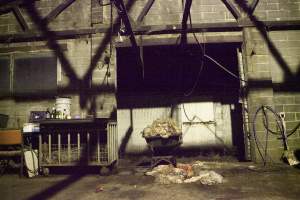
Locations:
column 177, row 74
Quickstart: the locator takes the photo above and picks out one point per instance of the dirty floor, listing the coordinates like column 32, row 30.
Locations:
column 241, row 181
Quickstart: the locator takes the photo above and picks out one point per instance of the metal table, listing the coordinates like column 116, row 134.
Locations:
column 77, row 142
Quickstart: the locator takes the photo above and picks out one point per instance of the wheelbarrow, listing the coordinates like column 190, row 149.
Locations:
column 163, row 149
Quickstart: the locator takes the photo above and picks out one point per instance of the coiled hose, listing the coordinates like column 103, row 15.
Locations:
column 279, row 124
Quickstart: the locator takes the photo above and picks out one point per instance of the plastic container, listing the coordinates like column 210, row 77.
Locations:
column 63, row 106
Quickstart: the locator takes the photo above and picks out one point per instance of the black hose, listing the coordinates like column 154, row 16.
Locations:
column 279, row 124
column 293, row 130
column 257, row 142
column 266, row 120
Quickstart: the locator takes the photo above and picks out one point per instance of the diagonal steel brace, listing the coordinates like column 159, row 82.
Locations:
column 128, row 28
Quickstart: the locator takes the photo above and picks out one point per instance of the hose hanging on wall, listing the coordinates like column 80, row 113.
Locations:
column 280, row 124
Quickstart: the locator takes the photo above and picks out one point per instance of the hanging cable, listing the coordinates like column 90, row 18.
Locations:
column 279, row 125
column 293, row 130
column 224, row 68
column 187, row 117
column 142, row 57
column 197, row 80
column 266, row 120
column 259, row 146
column 191, row 120
column 202, row 59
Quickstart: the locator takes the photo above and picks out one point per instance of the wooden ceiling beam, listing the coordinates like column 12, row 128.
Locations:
column 231, row 7
column 145, row 11
column 20, row 18
column 8, row 5
column 253, row 6
column 59, row 9
column 186, row 13
column 153, row 30
column 124, row 16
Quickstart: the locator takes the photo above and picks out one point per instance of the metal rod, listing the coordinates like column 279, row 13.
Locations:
column 88, row 146
column 247, row 155
column 40, row 149
column 78, row 146
column 69, row 147
column 98, row 146
column 115, row 141
column 109, row 142
column 49, row 146
column 59, row 146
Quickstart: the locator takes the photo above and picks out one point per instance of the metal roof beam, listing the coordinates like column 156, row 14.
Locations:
column 253, row 6
column 186, row 13
column 124, row 16
column 20, row 18
column 145, row 11
column 231, row 7
column 152, row 30
column 59, row 9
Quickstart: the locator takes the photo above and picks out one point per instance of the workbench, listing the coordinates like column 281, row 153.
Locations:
column 77, row 142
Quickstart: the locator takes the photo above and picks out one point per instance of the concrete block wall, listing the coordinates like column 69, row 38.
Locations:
column 19, row 111
column 278, row 10
column 66, row 20
column 287, row 100
column 279, row 90
column 170, row 12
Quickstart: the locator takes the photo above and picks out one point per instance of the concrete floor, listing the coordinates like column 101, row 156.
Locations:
column 241, row 182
